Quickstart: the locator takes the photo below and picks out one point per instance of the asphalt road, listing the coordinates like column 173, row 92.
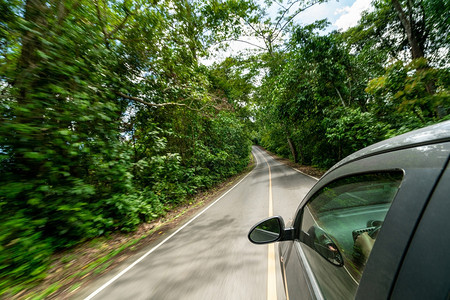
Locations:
column 210, row 257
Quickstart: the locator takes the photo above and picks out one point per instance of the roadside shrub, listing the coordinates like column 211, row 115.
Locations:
column 24, row 251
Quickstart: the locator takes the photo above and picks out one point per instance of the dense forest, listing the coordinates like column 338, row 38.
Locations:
column 325, row 96
column 109, row 117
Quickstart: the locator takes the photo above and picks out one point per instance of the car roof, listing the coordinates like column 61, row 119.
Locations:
column 433, row 134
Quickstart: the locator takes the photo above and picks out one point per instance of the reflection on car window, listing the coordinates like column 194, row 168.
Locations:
column 350, row 213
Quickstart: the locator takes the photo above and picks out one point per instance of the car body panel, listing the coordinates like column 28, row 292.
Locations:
column 426, row 266
column 298, row 285
column 419, row 179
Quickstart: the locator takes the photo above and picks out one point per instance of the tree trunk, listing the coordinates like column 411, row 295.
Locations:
column 27, row 80
column 300, row 154
column 340, row 97
column 35, row 15
column 292, row 148
column 413, row 39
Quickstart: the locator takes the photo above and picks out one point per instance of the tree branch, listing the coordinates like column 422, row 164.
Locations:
column 279, row 4
column 259, row 33
column 292, row 17
column 119, row 27
column 285, row 11
column 242, row 41
column 101, row 23
column 221, row 106
column 149, row 103
column 340, row 96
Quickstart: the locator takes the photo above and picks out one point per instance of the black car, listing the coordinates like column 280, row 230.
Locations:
column 397, row 193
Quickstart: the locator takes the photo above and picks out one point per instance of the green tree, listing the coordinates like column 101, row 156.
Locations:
column 401, row 27
column 105, row 113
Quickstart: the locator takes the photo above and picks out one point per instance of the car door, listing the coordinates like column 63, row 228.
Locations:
column 325, row 260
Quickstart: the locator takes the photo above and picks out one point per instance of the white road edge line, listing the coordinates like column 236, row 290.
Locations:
column 92, row 295
column 304, row 173
column 295, row 168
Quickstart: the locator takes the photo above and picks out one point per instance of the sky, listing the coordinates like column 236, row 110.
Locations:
column 341, row 14
column 345, row 14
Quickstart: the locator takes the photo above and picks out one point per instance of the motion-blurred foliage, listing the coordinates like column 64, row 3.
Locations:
column 107, row 120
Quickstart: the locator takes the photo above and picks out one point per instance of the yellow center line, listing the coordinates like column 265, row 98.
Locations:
column 271, row 273
column 270, row 192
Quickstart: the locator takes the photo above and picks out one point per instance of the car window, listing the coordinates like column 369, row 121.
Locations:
column 340, row 224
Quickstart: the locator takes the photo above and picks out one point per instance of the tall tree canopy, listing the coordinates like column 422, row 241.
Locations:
column 327, row 95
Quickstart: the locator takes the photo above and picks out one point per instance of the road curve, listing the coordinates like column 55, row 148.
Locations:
column 210, row 257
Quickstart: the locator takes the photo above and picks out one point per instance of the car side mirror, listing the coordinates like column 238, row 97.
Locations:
column 270, row 230
column 324, row 245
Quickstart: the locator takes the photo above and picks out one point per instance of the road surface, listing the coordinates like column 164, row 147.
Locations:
column 210, row 257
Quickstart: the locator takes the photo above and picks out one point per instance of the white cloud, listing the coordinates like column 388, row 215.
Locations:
column 316, row 12
column 350, row 15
